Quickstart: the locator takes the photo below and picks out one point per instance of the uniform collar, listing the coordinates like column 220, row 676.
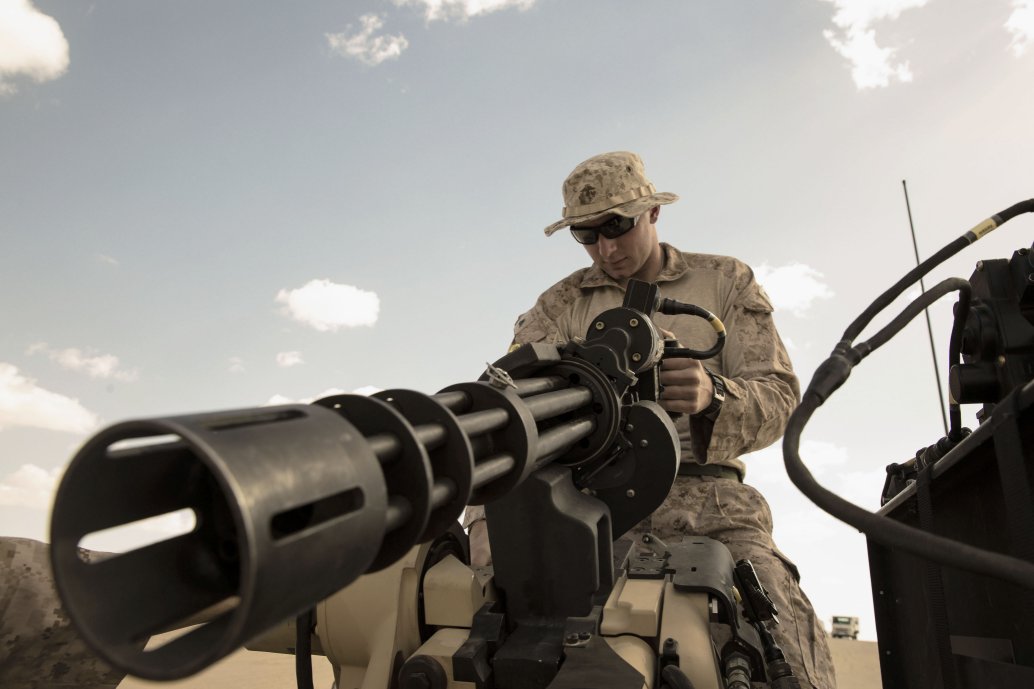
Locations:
column 675, row 266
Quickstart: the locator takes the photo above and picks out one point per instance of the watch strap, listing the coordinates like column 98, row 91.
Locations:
column 717, row 398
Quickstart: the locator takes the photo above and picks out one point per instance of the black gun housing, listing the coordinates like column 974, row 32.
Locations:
column 293, row 503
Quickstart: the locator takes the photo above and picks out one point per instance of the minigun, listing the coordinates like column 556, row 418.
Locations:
column 566, row 447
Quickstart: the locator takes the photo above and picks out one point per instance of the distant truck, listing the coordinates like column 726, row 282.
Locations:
column 845, row 627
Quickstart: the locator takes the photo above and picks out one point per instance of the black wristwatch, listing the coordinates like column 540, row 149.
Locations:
column 717, row 399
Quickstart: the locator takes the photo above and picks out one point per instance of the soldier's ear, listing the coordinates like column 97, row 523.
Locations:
column 655, row 213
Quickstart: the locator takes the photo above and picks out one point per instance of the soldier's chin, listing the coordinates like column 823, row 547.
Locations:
column 619, row 269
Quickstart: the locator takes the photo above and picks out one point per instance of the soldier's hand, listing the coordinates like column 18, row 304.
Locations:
column 480, row 551
column 687, row 387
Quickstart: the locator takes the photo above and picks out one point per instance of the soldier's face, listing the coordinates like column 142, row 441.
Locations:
column 628, row 255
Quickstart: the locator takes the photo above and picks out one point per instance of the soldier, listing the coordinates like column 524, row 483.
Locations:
column 735, row 403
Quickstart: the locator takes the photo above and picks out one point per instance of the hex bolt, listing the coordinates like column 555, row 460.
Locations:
column 637, row 357
column 980, row 265
column 633, row 323
column 571, row 638
column 629, row 428
column 644, row 443
column 599, row 325
column 584, row 636
column 630, row 493
column 1001, row 360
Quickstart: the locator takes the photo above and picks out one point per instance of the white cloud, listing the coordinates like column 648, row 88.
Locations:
column 821, row 455
column 871, row 65
column 282, row 399
column 369, row 45
column 818, row 455
column 862, row 487
column 1021, row 25
column 365, row 45
column 463, row 9
column 366, row 390
column 30, row 486
column 31, row 44
column 857, row 480
column 867, row 12
column 104, row 258
column 92, row 364
column 793, row 287
column 288, row 359
column 278, row 399
column 24, row 403
column 236, row 364
column 328, row 306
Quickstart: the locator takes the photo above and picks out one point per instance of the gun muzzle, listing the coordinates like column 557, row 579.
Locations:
column 290, row 505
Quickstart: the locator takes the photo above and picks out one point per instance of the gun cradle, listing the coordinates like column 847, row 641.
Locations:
column 372, row 631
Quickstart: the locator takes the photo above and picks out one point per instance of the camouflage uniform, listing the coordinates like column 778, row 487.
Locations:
column 761, row 391
column 38, row 647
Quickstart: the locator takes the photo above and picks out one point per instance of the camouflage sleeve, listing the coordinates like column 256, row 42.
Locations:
column 761, row 388
column 38, row 646
column 546, row 321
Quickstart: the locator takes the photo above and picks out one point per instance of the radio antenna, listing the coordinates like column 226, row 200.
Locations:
column 926, row 312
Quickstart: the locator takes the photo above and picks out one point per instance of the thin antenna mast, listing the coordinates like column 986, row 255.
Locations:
column 929, row 327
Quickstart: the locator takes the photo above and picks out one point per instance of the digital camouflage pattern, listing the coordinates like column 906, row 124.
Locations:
column 608, row 183
column 761, row 392
column 761, row 388
column 39, row 649
column 739, row 516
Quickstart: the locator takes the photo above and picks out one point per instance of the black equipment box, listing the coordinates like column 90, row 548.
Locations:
column 934, row 621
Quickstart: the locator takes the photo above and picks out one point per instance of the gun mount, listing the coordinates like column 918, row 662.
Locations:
column 566, row 446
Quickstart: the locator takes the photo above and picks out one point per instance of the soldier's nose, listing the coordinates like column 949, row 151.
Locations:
column 607, row 247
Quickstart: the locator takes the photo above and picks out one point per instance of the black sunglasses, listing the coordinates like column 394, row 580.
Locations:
column 612, row 229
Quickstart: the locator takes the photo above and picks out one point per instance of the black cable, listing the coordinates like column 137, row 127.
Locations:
column 955, row 358
column 832, row 373
column 901, row 285
column 303, row 649
column 929, row 264
column 913, row 309
column 671, row 307
column 886, row 531
column 1014, row 210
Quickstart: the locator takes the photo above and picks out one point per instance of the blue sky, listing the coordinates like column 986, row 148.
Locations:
column 212, row 205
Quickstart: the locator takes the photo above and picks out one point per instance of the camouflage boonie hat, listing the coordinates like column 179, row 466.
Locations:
column 608, row 183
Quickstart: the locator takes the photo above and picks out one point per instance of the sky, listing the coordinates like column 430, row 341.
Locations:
column 219, row 205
